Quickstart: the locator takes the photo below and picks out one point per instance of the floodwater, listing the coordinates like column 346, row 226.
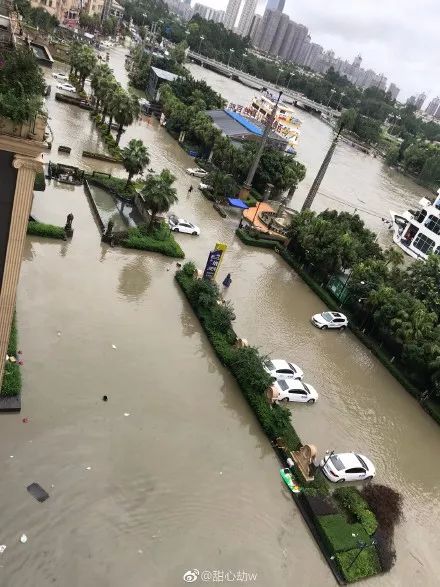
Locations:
column 186, row 480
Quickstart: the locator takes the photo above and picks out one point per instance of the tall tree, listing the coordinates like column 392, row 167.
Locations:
column 135, row 157
column 126, row 110
column 159, row 194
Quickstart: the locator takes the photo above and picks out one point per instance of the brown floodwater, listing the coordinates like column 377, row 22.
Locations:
column 187, row 479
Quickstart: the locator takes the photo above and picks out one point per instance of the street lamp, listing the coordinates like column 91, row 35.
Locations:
column 230, row 55
column 202, row 38
column 242, row 61
column 278, row 77
column 331, row 96
column 291, row 74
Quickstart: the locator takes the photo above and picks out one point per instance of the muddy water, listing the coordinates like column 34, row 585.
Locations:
column 187, row 479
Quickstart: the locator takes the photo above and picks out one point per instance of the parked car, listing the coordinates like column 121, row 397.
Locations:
column 205, row 186
column 63, row 77
column 330, row 320
column 293, row 390
column 66, row 88
column 281, row 369
column 182, row 225
column 197, row 172
column 347, row 466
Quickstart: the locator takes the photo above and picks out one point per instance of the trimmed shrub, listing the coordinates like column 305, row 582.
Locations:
column 351, row 500
column 40, row 182
column 247, row 239
column 356, row 565
column 339, row 535
column 46, row 230
column 159, row 241
column 321, row 505
column 115, row 185
column 11, row 384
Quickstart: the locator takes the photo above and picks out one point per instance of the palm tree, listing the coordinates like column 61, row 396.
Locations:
column 158, row 194
column 114, row 104
column 134, row 158
column 107, row 88
column 85, row 62
column 100, row 74
column 125, row 112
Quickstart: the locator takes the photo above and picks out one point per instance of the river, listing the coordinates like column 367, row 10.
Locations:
column 187, row 479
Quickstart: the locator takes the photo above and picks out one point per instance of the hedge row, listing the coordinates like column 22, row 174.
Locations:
column 115, row 185
column 39, row 182
column 350, row 499
column 11, row 384
column 159, row 241
column 46, row 230
column 252, row 241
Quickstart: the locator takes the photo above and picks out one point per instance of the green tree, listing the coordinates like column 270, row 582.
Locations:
column 178, row 53
column 348, row 118
column 135, row 157
column 158, row 194
column 392, row 156
column 422, row 280
column 125, row 111
column 414, row 159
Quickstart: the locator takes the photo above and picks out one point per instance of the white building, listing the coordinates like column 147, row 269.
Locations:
column 246, row 18
column 232, row 13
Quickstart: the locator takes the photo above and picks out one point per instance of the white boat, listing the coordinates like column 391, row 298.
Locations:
column 417, row 232
column 286, row 123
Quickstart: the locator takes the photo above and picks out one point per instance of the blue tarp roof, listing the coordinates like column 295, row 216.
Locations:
column 248, row 125
column 237, row 203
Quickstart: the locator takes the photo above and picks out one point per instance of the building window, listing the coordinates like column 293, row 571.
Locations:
column 433, row 223
column 423, row 244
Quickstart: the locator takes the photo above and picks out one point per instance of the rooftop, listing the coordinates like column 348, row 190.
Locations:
column 236, row 126
column 165, row 75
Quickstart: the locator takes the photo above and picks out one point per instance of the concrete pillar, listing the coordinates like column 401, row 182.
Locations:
column 27, row 168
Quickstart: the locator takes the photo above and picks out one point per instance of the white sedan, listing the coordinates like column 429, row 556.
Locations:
column 182, row 225
column 63, row 77
column 347, row 466
column 197, row 172
column 292, row 390
column 66, row 88
column 281, row 369
column 330, row 320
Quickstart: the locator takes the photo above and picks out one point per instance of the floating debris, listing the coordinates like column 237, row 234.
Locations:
column 59, row 333
column 104, row 398
column 114, row 346
column 38, row 492
column 23, row 538
column 88, row 468
column 2, row 548
column 126, row 414
column 11, row 456
column 25, row 420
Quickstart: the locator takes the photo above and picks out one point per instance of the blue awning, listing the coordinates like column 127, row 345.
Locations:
column 237, row 203
column 248, row 125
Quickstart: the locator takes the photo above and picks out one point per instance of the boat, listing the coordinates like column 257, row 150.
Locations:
column 417, row 232
column 289, row 480
column 286, row 123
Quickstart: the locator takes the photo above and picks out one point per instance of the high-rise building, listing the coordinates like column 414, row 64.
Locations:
column 432, row 107
column 232, row 13
column 420, row 100
column 393, row 90
column 301, row 33
column 357, row 62
column 313, row 56
column 209, row 13
column 247, row 15
column 286, row 44
column 254, row 32
column 411, row 101
column 279, row 35
column 275, row 5
column 303, row 52
column 268, row 28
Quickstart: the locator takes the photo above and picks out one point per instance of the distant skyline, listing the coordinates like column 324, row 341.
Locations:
column 396, row 37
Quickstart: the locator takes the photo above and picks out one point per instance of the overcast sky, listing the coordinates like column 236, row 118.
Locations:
column 399, row 38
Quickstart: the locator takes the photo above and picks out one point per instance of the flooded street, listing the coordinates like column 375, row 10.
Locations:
column 187, row 479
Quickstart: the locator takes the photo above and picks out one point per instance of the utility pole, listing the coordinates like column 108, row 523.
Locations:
column 320, row 175
column 247, row 186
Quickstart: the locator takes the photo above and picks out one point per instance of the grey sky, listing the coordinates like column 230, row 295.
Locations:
column 399, row 38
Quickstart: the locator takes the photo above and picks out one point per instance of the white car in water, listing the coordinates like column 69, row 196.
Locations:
column 281, row 369
column 293, row 390
column 63, row 77
column 182, row 225
column 66, row 88
column 197, row 172
column 347, row 466
column 327, row 320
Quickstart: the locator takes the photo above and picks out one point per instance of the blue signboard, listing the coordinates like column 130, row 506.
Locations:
column 214, row 259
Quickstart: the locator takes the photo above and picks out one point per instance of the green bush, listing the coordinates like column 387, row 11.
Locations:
column 337, row 533
column 366, row 564
column 46, row 230
column 247, row 239
column 114, row 185
column 158, row 241
column 11, row 384
column 350, row 499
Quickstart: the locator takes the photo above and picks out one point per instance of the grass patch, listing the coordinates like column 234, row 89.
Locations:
column 160, row 240
column 11, row 384
column 366, row 564
column 115, row 185
column 46, row 230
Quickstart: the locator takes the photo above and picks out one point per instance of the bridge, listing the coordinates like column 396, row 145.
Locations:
column 295, row 97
